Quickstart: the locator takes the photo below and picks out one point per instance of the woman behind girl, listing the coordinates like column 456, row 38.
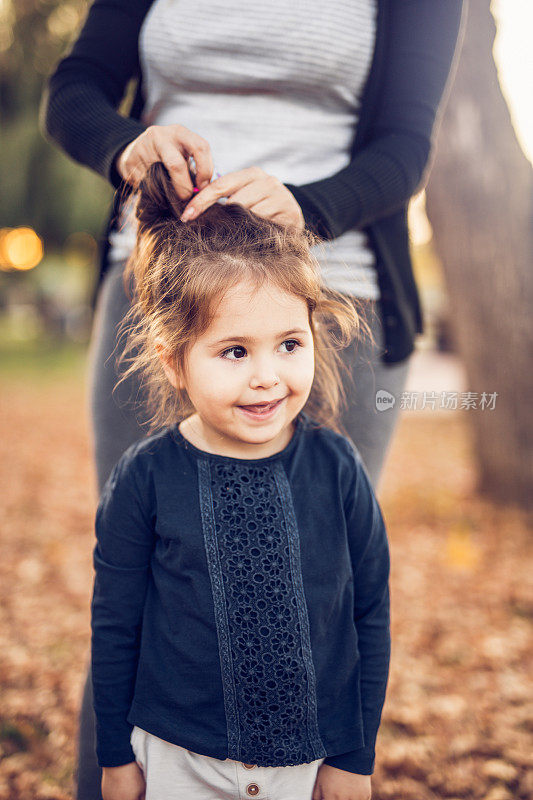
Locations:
column 240, row 612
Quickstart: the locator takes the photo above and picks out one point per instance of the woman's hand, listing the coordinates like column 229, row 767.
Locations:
column 338, row 784
column 263, row 194
column 123, row 783
column 173, row 145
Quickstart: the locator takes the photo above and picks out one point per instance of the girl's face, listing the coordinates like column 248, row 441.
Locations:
column 250, row 373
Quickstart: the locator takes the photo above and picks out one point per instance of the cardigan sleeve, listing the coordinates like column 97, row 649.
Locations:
column 384, row 174
column 122, row 557
column 79, row 106
column 369, row 550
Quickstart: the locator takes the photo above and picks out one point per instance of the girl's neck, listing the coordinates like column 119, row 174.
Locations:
column 211, row 441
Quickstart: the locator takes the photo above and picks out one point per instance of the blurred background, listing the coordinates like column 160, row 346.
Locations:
column 457, row 490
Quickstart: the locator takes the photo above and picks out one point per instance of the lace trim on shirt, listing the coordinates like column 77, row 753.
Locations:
column 252, row 546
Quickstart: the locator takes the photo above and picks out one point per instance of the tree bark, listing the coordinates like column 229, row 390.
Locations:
column 480, row 205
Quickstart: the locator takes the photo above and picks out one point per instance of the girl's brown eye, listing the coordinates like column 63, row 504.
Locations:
column 290, row 345
column 234, row 353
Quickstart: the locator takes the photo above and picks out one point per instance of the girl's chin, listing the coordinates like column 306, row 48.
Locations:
column 262, row 443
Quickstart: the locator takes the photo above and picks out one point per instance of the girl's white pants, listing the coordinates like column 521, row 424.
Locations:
column 174, row 773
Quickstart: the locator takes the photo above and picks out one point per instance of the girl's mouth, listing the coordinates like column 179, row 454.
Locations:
column 262, row 410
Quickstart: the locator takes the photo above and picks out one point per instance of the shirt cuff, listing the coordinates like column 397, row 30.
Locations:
column 135, row 129
column 360, row 761
column 113, row 747
column 116, row 759
column 314, row 220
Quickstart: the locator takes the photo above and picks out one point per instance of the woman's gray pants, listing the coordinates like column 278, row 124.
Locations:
column 115, row 427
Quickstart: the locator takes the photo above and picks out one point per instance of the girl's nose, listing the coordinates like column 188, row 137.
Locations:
column 264, row 376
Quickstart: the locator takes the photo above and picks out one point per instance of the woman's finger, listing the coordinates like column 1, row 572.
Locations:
column 225, row 186
column 177, row 167
column 250, row 194
column 191, row 144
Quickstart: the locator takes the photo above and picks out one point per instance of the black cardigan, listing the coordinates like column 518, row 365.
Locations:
column 415, row 45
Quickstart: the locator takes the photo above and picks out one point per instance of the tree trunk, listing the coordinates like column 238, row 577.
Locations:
column 480, row 204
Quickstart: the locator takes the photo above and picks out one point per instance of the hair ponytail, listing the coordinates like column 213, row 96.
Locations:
column 157, row 201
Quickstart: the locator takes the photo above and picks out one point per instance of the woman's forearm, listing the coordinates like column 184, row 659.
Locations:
column 78, row 117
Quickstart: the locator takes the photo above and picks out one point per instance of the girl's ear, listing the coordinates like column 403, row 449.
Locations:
column 169, row 365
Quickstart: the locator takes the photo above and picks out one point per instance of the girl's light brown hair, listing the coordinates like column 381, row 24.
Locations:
column 177, row 273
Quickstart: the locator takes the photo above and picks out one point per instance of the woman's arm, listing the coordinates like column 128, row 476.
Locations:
column 79, row 108
column 385, row 174
column 122, row 557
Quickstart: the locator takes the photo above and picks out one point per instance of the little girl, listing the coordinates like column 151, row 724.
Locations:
column 240, row 612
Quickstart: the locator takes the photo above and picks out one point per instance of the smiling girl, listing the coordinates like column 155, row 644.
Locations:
column 240, row 611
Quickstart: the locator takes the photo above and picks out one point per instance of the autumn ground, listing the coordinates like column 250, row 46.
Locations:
column 458, row 720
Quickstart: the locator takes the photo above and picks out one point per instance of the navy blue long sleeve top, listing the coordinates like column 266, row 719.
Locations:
column 241, row 606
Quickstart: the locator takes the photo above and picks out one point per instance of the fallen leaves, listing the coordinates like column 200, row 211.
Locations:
column 458, row 719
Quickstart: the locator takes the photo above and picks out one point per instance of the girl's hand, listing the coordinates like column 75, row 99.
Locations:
column 338, row 784
column 171, row 144
column 263, row 194
column 123, row 783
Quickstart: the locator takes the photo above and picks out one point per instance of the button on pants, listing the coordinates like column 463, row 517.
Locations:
column 175, row 773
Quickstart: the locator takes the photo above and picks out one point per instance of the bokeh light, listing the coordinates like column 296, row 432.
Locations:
column 20, row 249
